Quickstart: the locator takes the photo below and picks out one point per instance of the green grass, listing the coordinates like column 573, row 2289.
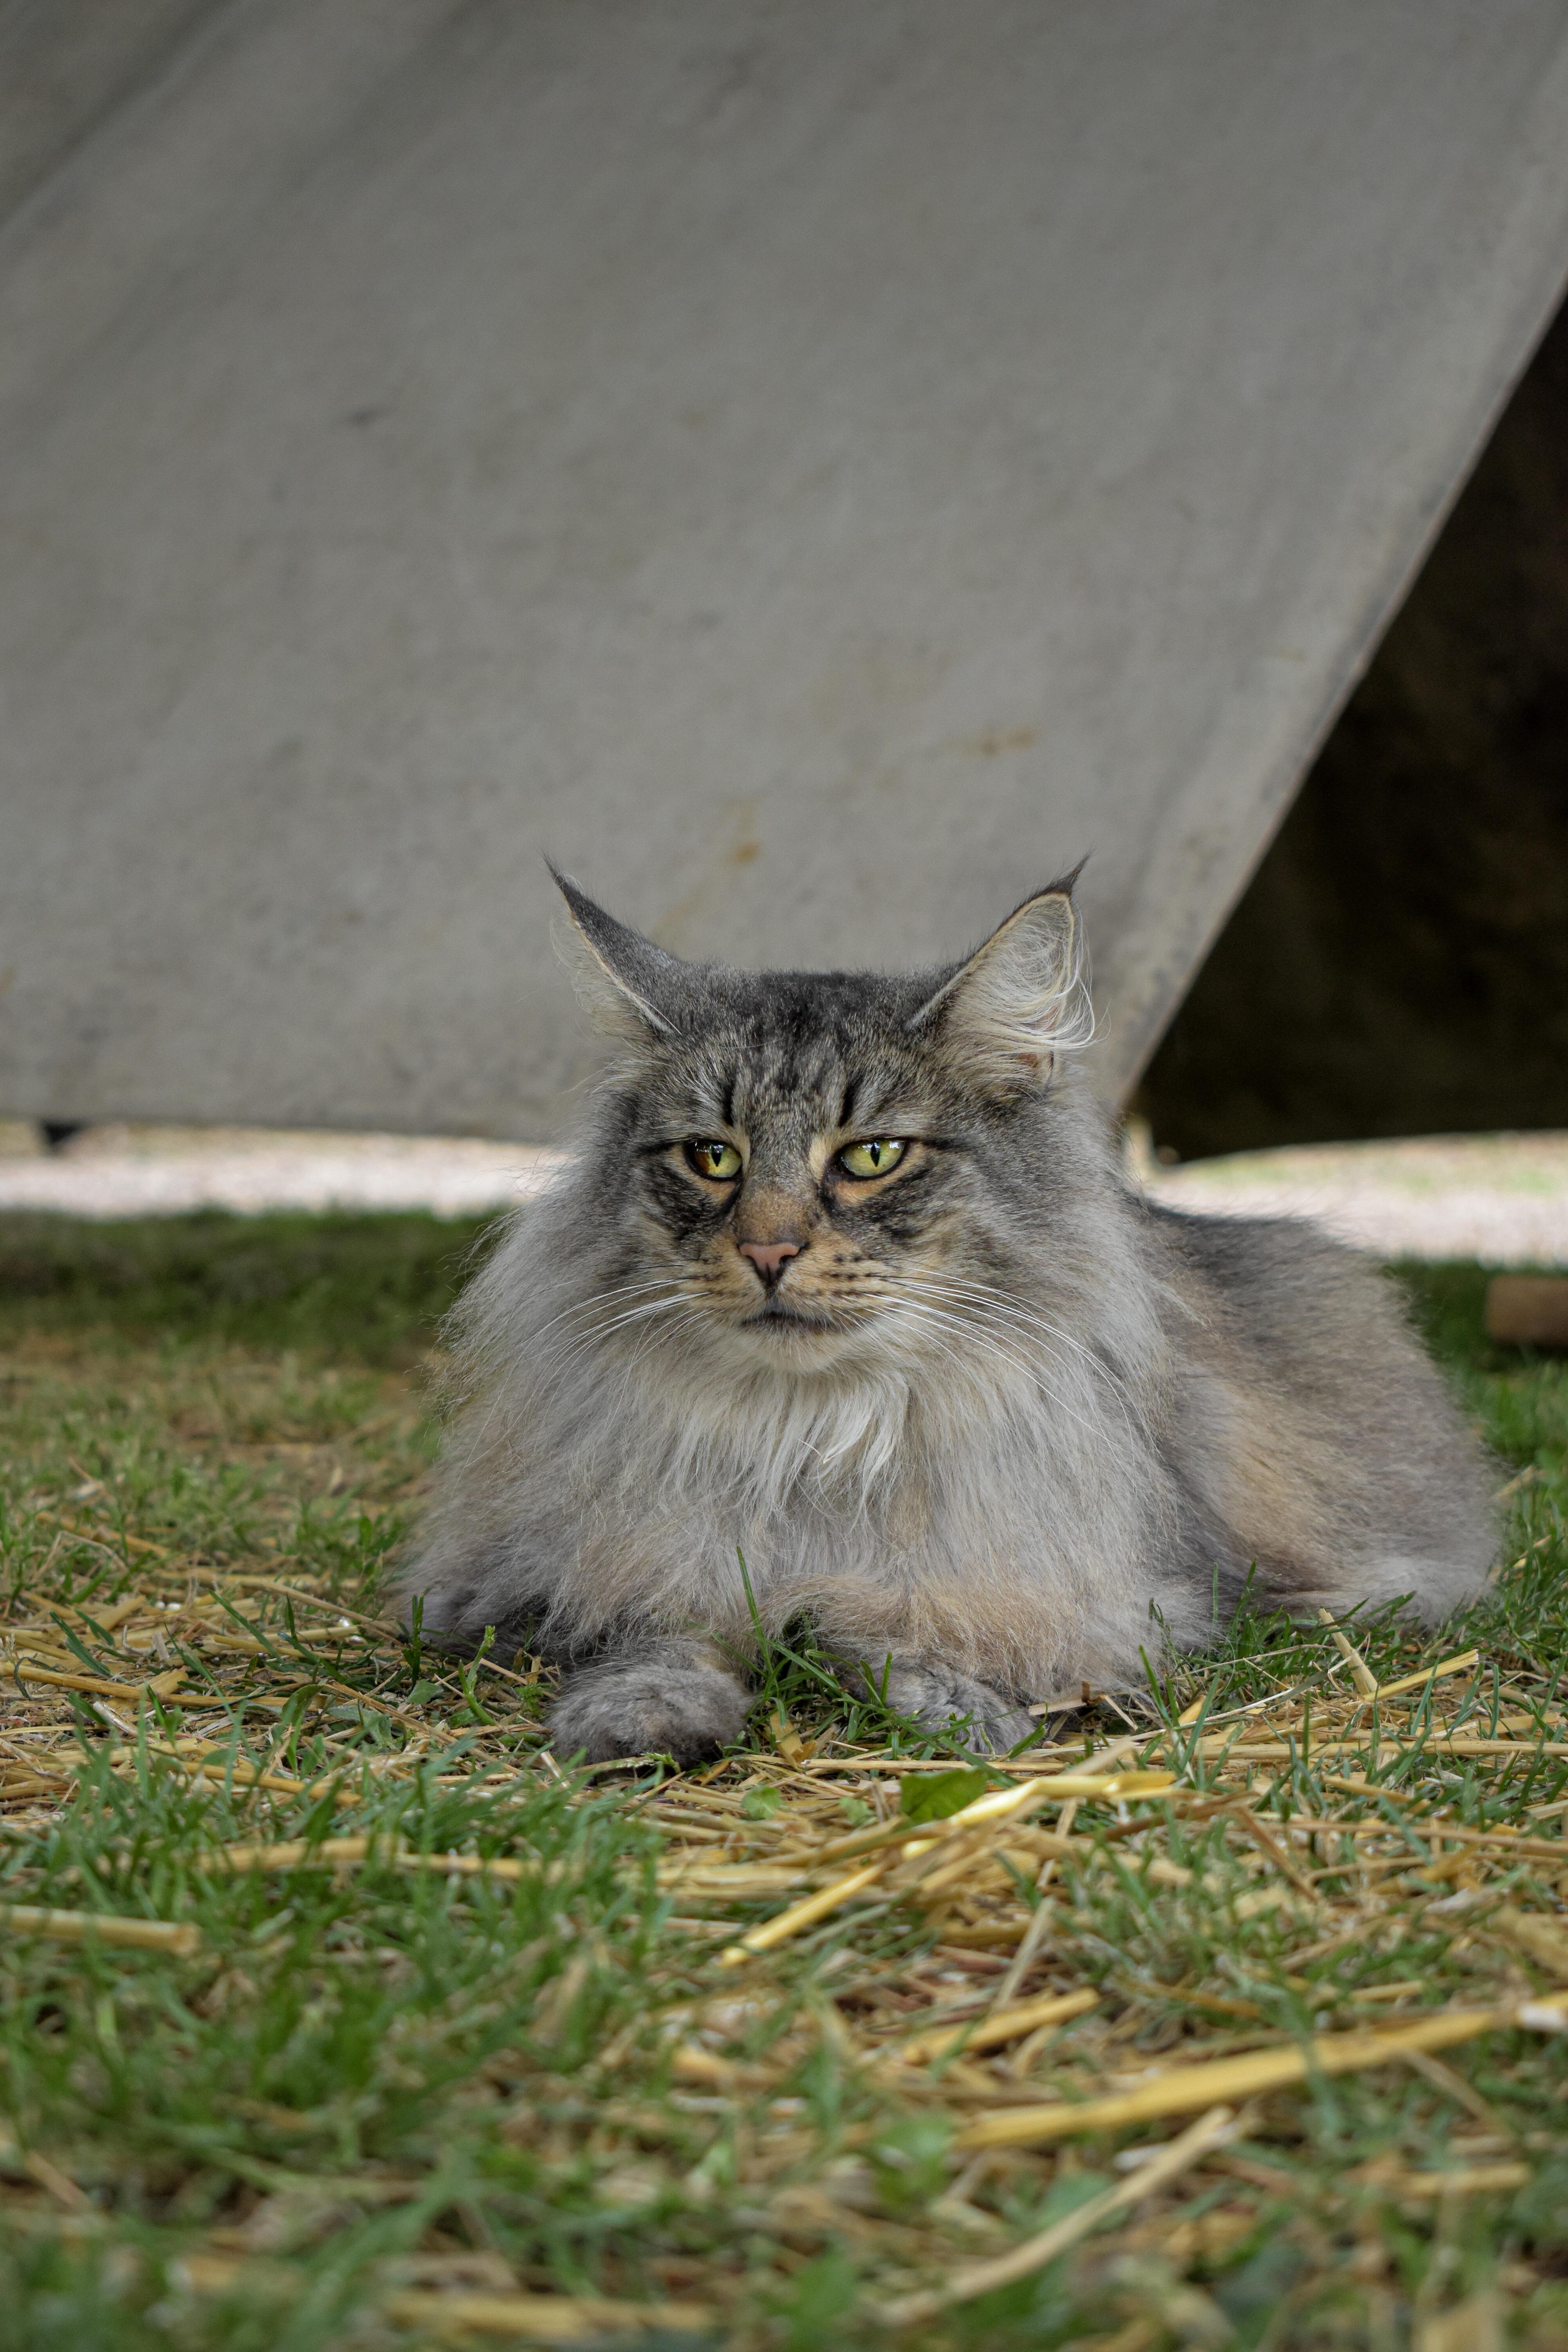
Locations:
column 361, row 1289
column 374, row 2082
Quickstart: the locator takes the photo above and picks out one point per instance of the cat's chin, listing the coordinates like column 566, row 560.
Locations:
column 798, row 1341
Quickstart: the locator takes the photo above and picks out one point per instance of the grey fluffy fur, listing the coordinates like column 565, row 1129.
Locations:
column 995, row 1406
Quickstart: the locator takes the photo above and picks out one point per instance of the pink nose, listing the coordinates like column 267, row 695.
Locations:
column 768, row 1257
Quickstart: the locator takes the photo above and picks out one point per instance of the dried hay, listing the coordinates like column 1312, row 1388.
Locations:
column 952, row 1967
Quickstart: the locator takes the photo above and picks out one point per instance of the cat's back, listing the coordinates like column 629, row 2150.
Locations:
column 1276, row 1284
column 1324, row 1424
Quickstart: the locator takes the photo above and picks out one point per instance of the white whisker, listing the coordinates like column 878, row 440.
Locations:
column 983, row 1300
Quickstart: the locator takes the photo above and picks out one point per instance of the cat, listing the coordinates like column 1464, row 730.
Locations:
column 844, row 1278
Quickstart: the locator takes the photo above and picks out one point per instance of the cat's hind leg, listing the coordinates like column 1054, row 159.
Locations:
column 941, row 1698
column 679, row 1698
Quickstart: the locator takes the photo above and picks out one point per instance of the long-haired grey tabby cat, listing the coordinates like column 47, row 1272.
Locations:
column 844, row 1275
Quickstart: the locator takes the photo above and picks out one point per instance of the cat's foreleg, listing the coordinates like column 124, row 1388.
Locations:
column 940, row 1698
column 671, row 1697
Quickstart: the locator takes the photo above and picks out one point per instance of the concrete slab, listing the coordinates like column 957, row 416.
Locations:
column 813, row 470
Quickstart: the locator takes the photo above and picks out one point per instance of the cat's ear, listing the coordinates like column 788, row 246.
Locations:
column 1019, row 1001
column 626, row 983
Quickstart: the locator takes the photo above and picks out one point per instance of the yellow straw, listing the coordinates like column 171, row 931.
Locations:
column 1183, row 2088
column 803, row 1915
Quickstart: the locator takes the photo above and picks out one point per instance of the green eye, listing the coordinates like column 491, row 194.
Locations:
column 712, row 1157
column 873, row 1157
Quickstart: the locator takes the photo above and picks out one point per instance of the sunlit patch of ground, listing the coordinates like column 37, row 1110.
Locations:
column 1501, row 1200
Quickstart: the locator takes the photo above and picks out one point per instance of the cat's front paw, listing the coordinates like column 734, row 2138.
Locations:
column 687, row 1712
column 938, row 1698
column 455, row 1611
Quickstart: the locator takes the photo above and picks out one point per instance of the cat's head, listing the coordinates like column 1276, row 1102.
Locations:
column 804, row 1162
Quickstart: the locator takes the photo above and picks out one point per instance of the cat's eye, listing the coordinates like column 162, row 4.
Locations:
column 714, row 1159
column 872, row 1158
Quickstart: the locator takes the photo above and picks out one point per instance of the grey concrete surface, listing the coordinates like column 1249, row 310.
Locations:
column 67, row 66
column 814, row 470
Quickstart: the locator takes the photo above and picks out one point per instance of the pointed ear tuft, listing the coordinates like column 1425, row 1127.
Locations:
column 1019, row 1001
column 625, row 983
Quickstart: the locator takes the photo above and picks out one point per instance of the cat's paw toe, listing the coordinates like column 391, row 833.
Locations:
column 971, row 1712
column 456, row 1614
column 689, row 1713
